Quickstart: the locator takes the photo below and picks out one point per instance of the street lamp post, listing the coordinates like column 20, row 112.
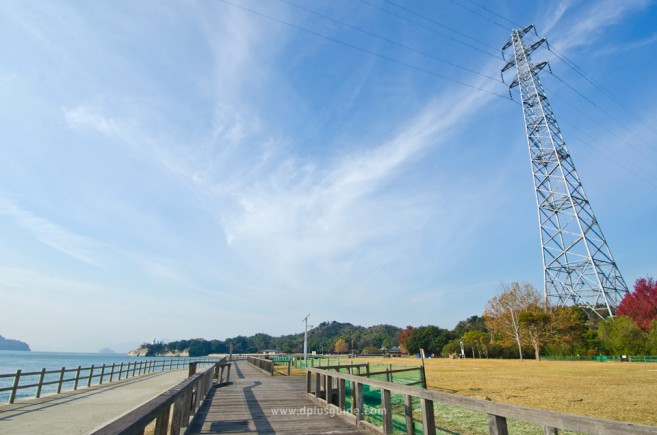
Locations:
column 305, row 342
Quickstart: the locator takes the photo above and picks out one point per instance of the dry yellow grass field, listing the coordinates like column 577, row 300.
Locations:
column 615, row 391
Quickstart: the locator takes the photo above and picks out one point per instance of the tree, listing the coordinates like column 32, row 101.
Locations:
column 620, row 336
column 402, row 337
column 341, row 346
column 651, row 343
column 502, row 314
column 430, row 338
column 541, row 326
column 476, row 340
column 472, row 323
column 640, row 305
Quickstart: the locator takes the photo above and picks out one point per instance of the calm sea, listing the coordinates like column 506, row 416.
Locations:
column 10, row 361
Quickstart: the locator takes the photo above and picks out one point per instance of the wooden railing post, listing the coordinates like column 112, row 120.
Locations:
column 428, row 418
column 162, row 422
column 408, row 411
column 386, row 408
column 112, row 372
column 77, row 378
column 318, row 384
column 360, row 402
column 17, row 379
column 102, row 375
column 40, row 386
column 308, row 382
column 61, row 380
column 192, row 369
column 497, row 425
column 328, row 388
column 120, row 371
column 341, row 394
column 91, row 376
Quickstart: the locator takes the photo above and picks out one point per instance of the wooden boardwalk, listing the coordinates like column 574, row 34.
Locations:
column 259, row 403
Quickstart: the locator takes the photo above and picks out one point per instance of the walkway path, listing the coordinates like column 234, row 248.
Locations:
column 81, row 411
column 259, row 403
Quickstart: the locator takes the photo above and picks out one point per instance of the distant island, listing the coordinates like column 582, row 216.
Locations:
column 10, row 344
column 106, row 350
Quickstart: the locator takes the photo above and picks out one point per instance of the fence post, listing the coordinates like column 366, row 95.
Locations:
column 102, row 375
column 14, row 387
column 192, row 369
column 41, row 378
column 61, row 380
column 386, row 405
column 497, row 425
column 120, row 371
column 91, row 375
column 360, row 402
column 341, row 394
column 408, row 411
column 328, row 388
column 308, row 381
column 428, row 418
column 77, row 378
column 112, row 372
column 317, row 385
column 162, row 422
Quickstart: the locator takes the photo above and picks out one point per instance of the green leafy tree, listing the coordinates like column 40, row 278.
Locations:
column 430, row 338
column 472, row 323
column 651, row 343
column 476, row 341
column 620, row 336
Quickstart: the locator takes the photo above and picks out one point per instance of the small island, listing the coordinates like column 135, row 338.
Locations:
column 106, row 350
column 10, row 344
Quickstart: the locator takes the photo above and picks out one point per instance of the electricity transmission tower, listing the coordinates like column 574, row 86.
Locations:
column 578, row 266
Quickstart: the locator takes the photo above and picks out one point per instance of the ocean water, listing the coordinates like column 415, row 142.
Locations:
column 10, row 361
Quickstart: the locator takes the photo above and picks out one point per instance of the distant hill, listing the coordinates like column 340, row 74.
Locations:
column 10, row 344
column 322, row 338
column 106, row 350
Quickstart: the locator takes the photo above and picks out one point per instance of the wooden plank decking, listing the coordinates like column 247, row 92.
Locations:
column 259, row 403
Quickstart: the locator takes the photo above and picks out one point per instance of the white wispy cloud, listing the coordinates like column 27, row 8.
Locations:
column 575, row 27
column 53, row 234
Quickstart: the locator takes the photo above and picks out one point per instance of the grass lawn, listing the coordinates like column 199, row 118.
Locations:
column 611, row 390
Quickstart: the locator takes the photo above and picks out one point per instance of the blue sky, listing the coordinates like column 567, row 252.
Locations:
column 200, row 169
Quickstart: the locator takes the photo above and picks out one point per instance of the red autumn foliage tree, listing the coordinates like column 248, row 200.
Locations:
column 640, row 305
column 402, row 337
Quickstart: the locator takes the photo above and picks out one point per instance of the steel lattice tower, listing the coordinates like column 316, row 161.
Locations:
column 578, row 265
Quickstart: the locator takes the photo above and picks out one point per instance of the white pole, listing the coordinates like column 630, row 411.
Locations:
column 305, row 342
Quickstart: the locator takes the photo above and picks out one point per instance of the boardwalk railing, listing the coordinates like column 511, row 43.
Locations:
column 74, row 378
column 330, row 388
column 412, row 375
column 263, row 364
column 184, row 400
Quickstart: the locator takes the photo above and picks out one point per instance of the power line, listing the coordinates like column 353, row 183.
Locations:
column 604, row 90
column 364, row 50
column 431, row 29
column 481, row 15
column 495, row 13
column 399, row 44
